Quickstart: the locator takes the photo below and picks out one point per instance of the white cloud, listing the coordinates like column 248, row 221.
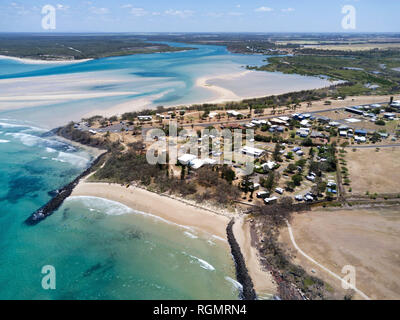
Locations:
column 288, row 10
column 179, row 13
column 62, row 7
column 235, row 13
column 96, row 10
column 264, row 9
column 21, row 10
column 138, row 12
column 214, row 14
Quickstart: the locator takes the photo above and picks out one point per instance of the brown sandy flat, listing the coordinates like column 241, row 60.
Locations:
column 367, row 239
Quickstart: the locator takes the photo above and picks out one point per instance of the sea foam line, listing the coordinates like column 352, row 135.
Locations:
column 131, row 210
column 237, row 285
column 14, row 125
column 203, row 264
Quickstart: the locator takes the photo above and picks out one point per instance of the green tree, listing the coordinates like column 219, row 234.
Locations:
column 297, row 179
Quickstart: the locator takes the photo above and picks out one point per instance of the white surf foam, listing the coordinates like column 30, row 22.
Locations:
column 75, row 160
column 130, row 211
column 218, row 238
column 50, row 150
column 15, row 125
column 4, row 141
column 108, row 207
column 190, row 235
column 237, row 285
column 203, row 264
column 32, row 140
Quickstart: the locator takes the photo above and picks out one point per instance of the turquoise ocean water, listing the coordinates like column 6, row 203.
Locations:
column 100, row 249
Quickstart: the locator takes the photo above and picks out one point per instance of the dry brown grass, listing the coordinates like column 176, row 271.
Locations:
column 364, row 238
column 375, row 172
column 357, row 47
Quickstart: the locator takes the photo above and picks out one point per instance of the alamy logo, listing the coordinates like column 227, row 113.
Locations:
column 205, row 144
column 49, row 20
column 49, row 280
column 349, row 20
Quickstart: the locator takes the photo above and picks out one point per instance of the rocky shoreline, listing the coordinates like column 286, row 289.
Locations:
column 242, row 274
column 59, row 196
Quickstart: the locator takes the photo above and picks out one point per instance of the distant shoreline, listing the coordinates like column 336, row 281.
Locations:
column 44, row 61
column 38, row 61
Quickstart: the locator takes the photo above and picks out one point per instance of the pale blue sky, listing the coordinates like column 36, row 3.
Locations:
column 200, row 15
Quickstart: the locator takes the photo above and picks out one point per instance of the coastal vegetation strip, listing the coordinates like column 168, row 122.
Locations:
column 366, row 72
column 77, row 47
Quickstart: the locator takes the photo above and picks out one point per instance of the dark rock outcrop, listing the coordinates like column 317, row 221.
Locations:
column 59, row 197
column 242, row 273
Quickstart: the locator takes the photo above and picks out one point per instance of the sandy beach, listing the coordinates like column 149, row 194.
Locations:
column 129, row 106
column 161, row 206
column 249, row 84
column 263, row 281
column 224, row 94
column 33, row 61
column 184, row 214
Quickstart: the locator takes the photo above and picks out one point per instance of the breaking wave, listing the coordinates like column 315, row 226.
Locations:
column 236, row 285
column 190, row 235
column 204, row 264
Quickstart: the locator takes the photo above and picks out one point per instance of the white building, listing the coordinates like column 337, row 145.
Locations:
column 305, row 123
column 196, row 163
column 395, row 104
column 233, row 113
column 270, row 200
column 254, row 152
column 145, row 118
column 268, row 165
column 185, row 159
column 360, row 139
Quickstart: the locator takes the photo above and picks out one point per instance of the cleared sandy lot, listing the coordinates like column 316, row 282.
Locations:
column 357, row 47
column 367, row 239
column 374, row 171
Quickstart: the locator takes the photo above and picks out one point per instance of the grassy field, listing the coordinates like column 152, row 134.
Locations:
column 364, row 238
column 374, row 172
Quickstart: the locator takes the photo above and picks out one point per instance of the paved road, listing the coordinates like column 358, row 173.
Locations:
column 287, row 112
column 362, row 294
column 375, row 146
